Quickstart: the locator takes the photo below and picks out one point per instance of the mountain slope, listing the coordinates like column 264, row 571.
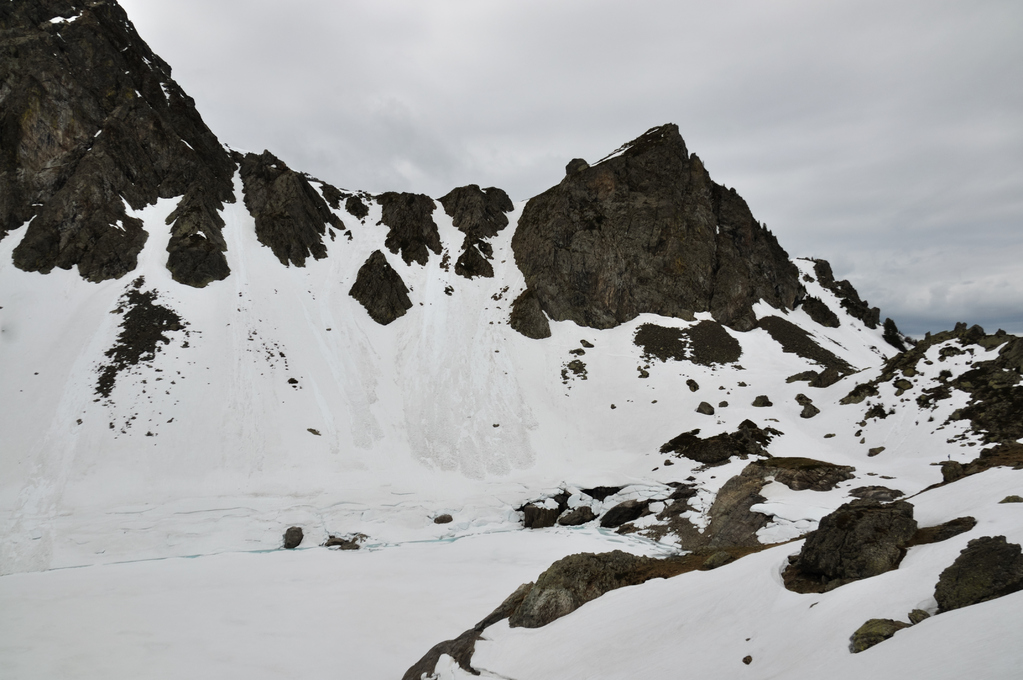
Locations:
column 245, row 348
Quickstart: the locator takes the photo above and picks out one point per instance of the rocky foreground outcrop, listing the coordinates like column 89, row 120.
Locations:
column 860, row 539
column 648, row 231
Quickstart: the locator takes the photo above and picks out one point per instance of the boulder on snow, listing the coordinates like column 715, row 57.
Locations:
column 860, row 539
column 580, row 515
column 988, row 568
column 874, row 631
column 762, row 401
column 918, row 615
column 625, row 511
column 443, row 519
column 292, row 538
column 543, row 514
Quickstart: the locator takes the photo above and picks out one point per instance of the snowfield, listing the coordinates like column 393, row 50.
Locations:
column 141, row 531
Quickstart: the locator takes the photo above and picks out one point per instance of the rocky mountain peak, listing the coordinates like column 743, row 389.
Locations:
column 93, row 127
column 646, row 230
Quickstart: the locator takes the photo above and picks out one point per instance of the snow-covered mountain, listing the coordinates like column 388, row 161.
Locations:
column 202, row 347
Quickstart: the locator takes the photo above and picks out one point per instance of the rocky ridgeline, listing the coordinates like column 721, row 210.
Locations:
column 993, row 386
column 94, row 124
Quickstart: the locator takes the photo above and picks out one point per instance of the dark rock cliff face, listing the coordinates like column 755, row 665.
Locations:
column 90, row 120
column 412, row 231
column 860, row 309
column 291, row 217
column 380, row 290
column 648, row 231
column 479, row 214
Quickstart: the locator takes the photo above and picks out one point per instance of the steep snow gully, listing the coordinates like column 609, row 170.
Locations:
column 611, row 431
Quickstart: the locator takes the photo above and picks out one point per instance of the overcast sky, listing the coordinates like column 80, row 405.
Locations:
column 886, row 137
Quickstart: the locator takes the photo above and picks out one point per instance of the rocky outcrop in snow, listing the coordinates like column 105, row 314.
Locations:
column 648, row 231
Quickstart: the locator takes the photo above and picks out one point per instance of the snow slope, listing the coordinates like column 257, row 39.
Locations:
column 140, row 531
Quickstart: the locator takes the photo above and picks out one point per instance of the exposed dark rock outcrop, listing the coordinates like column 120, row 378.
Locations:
column 412, row 231
column 195, row 252
column 995, row 407
column 860, row 539
column 989, row 567
column 820, row 312
column 602, row 492
column 748, row 440
column 527, row 316
column 291, row 216
column 892, row 335
column 471, row 263
column 809, row 410
column 733, row 523
column 795, row 340
column 851, row 302
column 144, row 329
column 801, row 474
column 479, row 214
column 380, row 290
column 573, row 581
column 648, row 231
column 356, row 208
column 707, row 343
column 92, row 122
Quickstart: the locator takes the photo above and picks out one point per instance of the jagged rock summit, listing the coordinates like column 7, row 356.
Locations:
column 647, row 230
column 92, row 125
